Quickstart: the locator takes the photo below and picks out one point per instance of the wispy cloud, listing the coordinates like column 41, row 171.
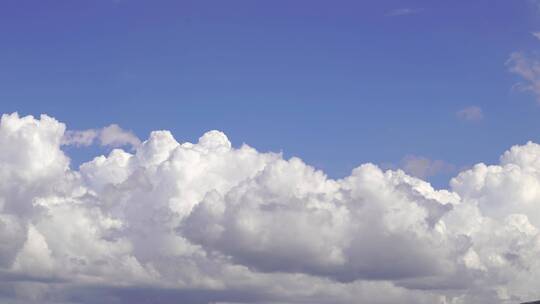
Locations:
column 528, row 68
column 403, row 11
column 82, row 138
column 470, row 113
column 420, row 166
column 424, row 167
column 111, row 136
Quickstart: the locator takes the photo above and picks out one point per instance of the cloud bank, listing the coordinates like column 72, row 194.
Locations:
column 205, row 222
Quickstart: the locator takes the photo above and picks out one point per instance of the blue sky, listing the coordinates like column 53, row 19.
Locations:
column 336, row 83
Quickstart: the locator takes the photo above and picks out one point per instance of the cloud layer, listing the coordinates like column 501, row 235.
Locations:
column 205, row 222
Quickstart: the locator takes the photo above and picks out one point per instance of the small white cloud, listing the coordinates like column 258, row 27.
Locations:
column 403, row 12
column 114, row 136
column 424, row 167
column 471, row 113
column 536, row 34
column 111, row 136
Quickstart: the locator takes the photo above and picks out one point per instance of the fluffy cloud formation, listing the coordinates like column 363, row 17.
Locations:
column 205, row 222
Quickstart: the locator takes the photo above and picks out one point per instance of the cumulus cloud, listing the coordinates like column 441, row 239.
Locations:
column 112, row 136
column 470, row 113
column 208, row 222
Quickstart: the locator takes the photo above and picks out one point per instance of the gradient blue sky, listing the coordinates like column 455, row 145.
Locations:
column 337, row 83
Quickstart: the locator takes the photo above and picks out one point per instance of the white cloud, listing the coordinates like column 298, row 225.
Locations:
column 403, row 12
column 205, row 222
column 527, row 68
column 470, row 113
column 112, row 136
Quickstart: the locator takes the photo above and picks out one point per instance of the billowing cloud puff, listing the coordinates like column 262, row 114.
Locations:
column 179, row 222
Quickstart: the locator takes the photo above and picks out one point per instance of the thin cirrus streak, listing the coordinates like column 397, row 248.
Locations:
column 207, row 222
